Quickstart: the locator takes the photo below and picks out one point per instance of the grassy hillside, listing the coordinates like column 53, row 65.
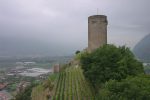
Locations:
column 42, row 92
column 39, row 93
column 71, row 85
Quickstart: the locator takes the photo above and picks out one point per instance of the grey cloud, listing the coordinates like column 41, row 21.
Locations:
column 62, row 25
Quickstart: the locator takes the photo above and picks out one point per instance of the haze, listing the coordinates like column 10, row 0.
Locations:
column 59, row 27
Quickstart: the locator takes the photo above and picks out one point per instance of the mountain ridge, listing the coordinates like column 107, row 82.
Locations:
column 142, row 49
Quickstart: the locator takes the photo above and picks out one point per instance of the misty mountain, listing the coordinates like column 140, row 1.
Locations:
column 142, row 49
column 12, row 46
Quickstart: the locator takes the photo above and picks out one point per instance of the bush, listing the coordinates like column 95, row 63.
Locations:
column 77, row 52
column 109, row 62
column 26, row 94
column 131, row 88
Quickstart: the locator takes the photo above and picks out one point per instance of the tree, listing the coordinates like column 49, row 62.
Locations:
column 109, row 62
column 131, row 88
column 77, row 52
column 26, row 94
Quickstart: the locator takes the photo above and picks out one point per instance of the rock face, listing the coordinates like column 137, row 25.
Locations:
column 97, row 31
column 142, row 49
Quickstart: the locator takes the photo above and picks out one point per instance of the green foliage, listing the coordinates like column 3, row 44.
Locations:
column 26, row 94
column 44, row 91
column 48, row 84
column 71, row 85
column 79, row 55
column 77, row 52
column 109, row 62
column 39, row 93
column 131, row 88
column 53, row 76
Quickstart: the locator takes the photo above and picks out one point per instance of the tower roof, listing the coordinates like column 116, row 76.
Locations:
column 97, row 16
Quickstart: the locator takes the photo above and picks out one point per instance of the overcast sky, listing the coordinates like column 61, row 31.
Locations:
column 62, row 24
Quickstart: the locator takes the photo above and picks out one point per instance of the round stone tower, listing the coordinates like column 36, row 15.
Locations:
column 97, row 31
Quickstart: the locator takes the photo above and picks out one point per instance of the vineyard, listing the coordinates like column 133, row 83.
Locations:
column 71, row 85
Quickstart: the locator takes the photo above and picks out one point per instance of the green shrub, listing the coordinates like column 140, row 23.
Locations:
column 131, row 88
column 26, row 94
column 109, row 62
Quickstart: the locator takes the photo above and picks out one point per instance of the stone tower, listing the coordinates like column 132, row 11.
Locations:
column 97, row 31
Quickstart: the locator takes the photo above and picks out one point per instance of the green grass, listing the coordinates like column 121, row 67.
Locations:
column 71, row 85
column 39, row 93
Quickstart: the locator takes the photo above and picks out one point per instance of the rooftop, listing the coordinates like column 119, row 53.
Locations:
column 97, row 16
